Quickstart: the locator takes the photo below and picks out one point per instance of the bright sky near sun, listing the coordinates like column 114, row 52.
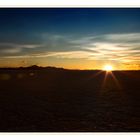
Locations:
column 78, row 38
column 108, row 68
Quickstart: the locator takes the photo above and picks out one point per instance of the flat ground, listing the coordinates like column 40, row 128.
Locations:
column 55, row 100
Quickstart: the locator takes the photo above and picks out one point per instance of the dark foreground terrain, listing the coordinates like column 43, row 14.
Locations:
column 57, row 100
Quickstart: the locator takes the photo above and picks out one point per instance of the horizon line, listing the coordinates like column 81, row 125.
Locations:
column 54, row 67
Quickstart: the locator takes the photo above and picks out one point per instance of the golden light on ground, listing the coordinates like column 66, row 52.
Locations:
column 108, row 68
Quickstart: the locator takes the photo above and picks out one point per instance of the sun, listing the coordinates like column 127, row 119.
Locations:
column 108, row 68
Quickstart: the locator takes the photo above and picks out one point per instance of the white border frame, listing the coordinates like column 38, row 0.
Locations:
column 70, row 3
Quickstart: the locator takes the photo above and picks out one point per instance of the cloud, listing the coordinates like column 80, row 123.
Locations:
column 10, row 51
column 7, row 49
column 112, row 38
column 118, row 47
column 130, row 37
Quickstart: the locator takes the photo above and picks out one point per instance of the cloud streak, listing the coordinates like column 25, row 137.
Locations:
column 117, row 47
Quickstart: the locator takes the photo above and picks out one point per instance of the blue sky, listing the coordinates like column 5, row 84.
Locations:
column 70, row 37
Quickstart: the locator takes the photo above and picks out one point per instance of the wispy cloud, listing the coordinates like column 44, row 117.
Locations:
column 118, row 47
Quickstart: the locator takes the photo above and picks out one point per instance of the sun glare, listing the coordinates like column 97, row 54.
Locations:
column 108, row 68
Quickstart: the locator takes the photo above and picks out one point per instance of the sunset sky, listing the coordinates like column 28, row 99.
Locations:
column 71, row 38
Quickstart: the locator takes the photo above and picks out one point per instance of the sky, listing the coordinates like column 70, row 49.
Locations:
column 72, row 38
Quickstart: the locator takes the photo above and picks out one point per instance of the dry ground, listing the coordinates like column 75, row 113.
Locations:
column 55, row 100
